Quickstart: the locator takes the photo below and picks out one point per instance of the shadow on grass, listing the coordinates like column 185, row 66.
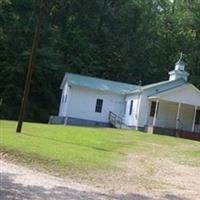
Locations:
column 75, row 144
column 9, row 189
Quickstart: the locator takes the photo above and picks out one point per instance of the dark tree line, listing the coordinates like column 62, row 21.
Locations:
column 125, row 40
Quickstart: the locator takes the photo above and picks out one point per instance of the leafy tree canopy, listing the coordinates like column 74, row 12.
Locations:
column 125, row 40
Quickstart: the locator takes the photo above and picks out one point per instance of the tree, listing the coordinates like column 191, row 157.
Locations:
column 125, row 40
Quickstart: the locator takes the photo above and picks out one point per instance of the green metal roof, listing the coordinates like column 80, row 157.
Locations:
column 97, row 83
column 118, row 87
column 154, row 85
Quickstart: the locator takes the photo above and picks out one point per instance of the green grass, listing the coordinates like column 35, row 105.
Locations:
column 70, row 147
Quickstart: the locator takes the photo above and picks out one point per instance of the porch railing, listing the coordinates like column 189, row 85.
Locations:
column 115, row 120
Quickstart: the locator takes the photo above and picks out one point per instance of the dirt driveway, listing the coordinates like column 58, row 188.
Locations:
column 172, row 182
column 20, row 183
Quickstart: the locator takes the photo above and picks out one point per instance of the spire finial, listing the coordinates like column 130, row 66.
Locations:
column 180, row 65
column 181, row 56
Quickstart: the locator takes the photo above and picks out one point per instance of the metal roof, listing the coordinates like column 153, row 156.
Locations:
column 97, row 83
column 149, row 86
column 145, row 87
column 117, row 87
column 163, row 85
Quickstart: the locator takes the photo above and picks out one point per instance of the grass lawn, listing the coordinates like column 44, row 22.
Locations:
column 69, row 147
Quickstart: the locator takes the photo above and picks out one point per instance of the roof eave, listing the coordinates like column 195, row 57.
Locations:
column 63, row 81
column 134, row 92
column 110, row 91
column 162, row 83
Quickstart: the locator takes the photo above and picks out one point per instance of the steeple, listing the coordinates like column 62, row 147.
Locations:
column 179, row 71
column 180, row 65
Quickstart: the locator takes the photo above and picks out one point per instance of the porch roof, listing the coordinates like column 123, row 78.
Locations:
column 186, row 94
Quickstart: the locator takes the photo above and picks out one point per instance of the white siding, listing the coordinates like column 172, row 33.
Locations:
column 64, row 101
column 186, row 95
column 83, row 102
column 78, row 102
column 132, row 120
column 143, row 112
column 187, row 114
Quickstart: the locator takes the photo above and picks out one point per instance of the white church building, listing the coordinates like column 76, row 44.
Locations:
column 169, row 107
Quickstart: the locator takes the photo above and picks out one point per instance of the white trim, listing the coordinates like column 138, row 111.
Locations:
column 178, row 115
column 163, row 94
column 138, row 109
column 195, row 88
column 156, row 112
column 63, row 81
column 194, row 118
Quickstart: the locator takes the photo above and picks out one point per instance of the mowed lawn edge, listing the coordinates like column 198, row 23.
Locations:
column 66, row 146
column 58, row 147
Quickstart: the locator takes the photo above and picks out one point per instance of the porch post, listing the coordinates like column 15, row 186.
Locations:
column 156, row 112
column 178, row 116
column 194, row 118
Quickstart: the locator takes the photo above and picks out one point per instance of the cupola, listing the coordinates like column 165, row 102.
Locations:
column 179, row 71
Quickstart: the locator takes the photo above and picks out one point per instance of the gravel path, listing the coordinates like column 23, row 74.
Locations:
column 174, row 182
column 20, row 183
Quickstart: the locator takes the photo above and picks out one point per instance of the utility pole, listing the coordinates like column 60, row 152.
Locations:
column 40, row 20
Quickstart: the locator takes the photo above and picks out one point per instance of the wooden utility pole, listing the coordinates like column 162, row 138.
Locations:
column 43, row 4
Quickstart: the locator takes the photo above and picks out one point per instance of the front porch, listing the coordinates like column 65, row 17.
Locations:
column 173, row 132
column 173, row 118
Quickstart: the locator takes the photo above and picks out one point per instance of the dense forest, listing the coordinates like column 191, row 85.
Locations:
column 122, row 40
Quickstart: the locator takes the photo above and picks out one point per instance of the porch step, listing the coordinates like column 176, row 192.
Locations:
column 116, row 121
